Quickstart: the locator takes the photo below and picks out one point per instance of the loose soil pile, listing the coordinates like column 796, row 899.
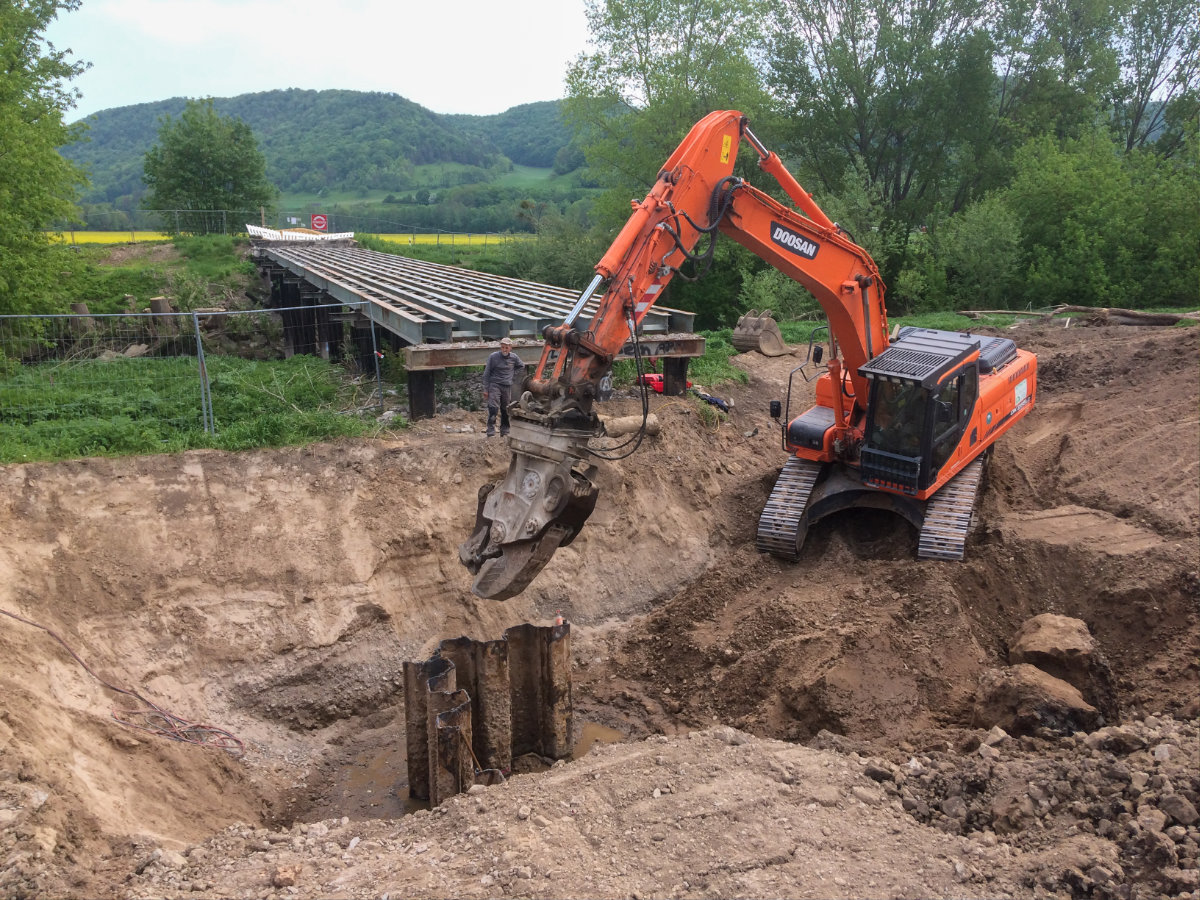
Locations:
column 790, row 729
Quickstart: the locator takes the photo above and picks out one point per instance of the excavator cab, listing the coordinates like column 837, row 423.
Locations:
column 912, row 429
column 923, row 394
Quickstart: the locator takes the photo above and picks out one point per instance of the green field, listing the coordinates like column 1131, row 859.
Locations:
column 530, row 177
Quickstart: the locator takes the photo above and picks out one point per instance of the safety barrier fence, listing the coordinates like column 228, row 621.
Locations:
column 184, row 370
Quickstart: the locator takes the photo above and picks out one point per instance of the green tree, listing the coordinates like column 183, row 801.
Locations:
column 563, row 254
column 658, row 68
column 980, row 250
column 1157, row 101
column 1169, row 270
column 1057, row 63
column 208, row 168
column 37, row 186
column 769, row 289
column 894, row 92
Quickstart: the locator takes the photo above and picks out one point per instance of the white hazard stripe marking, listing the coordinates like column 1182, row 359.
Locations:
column 651, row 291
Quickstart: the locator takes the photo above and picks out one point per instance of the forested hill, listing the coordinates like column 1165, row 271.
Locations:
column 529, row 135
column 327, row 140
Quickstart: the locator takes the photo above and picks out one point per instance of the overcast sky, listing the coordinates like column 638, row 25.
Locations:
column 450, row 56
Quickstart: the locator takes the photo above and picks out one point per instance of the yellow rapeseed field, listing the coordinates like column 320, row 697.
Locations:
column 108, row 237
column 471, row 240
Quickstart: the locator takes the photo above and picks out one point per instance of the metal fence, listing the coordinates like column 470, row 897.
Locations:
column 177, row 370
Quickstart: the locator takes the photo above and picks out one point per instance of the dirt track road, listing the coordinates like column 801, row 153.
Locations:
column 792, row 729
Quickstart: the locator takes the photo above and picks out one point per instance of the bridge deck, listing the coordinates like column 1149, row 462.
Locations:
column 428, row 303
column 445, row 316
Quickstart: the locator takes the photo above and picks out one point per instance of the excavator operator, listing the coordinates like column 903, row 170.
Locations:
column 899, row 418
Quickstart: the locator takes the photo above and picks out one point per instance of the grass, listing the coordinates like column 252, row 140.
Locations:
column 214, row 257
column 123, row 406
column 530, row 177
column 949, row 321
column 85, row 279
column 210, row 269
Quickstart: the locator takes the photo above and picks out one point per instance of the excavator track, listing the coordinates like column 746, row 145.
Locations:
column 782, row 525
column 948, row 515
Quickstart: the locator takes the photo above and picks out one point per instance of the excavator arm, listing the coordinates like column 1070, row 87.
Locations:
column 548, row 492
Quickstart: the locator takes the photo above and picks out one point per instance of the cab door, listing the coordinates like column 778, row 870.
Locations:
column 952, row 406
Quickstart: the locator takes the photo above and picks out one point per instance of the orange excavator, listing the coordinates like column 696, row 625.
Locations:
column 901, row 421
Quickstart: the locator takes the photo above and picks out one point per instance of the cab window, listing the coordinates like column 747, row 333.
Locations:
column 898, row 417
column 952, row 411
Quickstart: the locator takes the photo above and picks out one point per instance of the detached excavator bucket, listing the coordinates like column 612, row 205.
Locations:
column 755, row 331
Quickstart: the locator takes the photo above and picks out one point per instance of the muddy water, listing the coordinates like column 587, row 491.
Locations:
column 591, row 734
column 374, row 783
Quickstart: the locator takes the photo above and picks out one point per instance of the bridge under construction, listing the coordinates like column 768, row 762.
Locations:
column 437, row 316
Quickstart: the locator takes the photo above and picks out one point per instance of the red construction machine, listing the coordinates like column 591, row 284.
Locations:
column 901, row 422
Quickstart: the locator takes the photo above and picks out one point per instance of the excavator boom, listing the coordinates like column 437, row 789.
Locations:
column 522, row 519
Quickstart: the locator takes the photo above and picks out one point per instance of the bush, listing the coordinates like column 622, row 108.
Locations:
column 1103, row 228
column 770, row 289
column 980, row 250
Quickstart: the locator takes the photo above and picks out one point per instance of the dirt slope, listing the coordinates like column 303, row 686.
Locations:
column 808, row 727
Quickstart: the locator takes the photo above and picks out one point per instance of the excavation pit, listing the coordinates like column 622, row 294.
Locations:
column 276, row 594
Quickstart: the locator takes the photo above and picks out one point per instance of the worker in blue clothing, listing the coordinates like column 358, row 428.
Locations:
column 501, row 371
